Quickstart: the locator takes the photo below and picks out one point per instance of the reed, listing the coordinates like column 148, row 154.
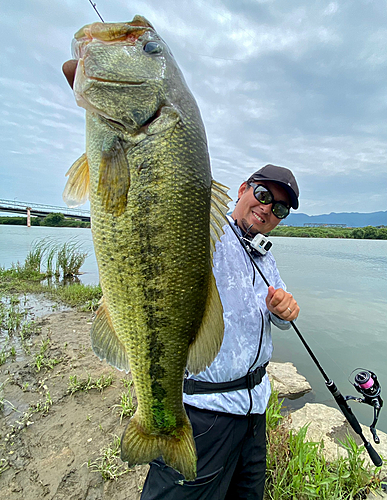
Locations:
column 70, row 259
column 35, row 256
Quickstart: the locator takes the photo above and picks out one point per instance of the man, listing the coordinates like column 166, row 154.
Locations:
column 227, row 412
column 226, row 403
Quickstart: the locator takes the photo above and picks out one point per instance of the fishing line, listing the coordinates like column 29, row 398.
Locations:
column 94, row 5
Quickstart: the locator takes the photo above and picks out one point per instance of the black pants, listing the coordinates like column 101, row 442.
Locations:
column 231, row 461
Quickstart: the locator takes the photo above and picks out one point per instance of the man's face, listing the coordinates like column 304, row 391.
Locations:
column 249, row 210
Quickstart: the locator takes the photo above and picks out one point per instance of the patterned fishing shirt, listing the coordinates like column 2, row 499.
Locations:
column 243, row 293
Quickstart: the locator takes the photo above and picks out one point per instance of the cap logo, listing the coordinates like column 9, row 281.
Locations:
column 289, row 184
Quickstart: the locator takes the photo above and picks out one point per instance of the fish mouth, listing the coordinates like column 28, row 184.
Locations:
column 120, row 82
column 85, row 77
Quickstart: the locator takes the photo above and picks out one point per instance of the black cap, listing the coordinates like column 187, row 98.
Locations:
column 282, row 176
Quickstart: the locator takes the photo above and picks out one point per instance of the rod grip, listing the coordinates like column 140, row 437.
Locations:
column 373, row 455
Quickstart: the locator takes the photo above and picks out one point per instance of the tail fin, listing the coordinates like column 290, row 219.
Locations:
column 178, row 451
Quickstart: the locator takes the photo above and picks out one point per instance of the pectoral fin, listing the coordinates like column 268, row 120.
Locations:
column 114, row 177
column 76, row 191
column 105, row 342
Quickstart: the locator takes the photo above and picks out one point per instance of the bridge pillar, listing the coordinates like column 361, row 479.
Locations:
column 28, row 217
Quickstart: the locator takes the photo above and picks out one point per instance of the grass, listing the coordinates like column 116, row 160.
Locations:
column 11, row 314
column 46, row 259
column 42, row 360
column 63, row 259
column 70, row 259
column 42, row 407
column 4, row 465
column 28, row 329
column 14, row 322
column 297, row 469
column 100, row 383
column 85, row 297
column 126, row 406
column 108, row 464
column 44, row 265
column 6, row 354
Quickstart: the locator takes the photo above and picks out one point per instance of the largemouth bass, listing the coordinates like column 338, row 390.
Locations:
column 156, row 215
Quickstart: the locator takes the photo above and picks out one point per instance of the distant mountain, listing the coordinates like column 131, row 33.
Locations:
column 350, row 219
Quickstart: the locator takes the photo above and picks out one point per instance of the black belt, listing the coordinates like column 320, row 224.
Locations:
column 247, row 382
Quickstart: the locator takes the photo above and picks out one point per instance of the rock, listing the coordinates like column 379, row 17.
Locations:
column 330, row 425
column 287, row 381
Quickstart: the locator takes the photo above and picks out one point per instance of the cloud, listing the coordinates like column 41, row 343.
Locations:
column 298, row 84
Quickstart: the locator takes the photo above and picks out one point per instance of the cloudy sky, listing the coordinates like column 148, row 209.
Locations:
column 301, row 84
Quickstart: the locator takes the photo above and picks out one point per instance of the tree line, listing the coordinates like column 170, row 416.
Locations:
column 51, row 220
column 359, row 233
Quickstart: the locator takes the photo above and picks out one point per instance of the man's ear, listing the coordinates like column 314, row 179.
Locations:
column 242, row 189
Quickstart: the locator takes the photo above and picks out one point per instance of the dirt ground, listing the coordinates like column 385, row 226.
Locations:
column 47, row 435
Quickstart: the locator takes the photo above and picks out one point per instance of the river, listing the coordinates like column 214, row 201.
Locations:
column 340, row 285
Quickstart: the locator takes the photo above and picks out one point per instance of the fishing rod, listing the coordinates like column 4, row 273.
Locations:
column 365, row 381
column 94, row 5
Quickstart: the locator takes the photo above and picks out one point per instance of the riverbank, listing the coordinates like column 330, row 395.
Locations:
column 63, row 411
column 51, row 220
column 357, row 233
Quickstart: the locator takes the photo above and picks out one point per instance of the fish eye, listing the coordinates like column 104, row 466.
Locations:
column 152, row 48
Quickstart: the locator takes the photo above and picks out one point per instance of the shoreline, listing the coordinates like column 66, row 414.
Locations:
column 58, row 436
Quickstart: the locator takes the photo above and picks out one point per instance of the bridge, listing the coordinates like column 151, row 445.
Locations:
column 38, row 210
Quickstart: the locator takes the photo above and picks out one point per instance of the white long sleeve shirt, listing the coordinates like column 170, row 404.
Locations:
column 243, row 293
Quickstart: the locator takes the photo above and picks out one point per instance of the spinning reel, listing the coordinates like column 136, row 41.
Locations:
column 367, row 384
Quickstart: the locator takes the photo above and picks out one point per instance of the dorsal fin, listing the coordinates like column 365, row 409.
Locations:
column 219, row 208
column 209, row 338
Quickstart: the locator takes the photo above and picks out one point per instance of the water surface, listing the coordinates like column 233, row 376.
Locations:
column 340, row 285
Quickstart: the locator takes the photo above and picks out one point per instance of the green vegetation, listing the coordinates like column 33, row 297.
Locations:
column 42, row 360
column 100, row 384
column 49, row 268
column 52, row 220
column 367, row 233
column 108, row 464
column 3, row 465
column 48, row 259
column 42, row 407
column 126, row 406
column 40, row 274
column 296, row 468
column 15, row 325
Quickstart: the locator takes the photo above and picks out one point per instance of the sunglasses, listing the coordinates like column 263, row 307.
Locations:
column 265, row 196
